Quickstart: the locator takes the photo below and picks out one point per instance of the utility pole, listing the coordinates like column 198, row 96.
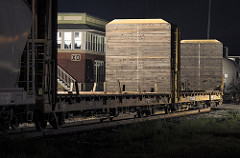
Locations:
column 209, row 19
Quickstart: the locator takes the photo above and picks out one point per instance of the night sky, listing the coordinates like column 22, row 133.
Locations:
column 190, row 15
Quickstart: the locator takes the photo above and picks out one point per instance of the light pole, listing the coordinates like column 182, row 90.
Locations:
column 209, row 20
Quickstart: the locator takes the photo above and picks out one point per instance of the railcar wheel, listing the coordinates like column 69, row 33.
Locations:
column 5, row 117
column 147, row 113
column 4, row 126
column 111, row 118
column 14, row 122
column 54, row 124
column 40, row 125
column 214, row 104
column 206, row 105
column 39, row 121
column 152, row 111
column 167, row 109
column 54, row 121
column 139, row 113
column 61, row 119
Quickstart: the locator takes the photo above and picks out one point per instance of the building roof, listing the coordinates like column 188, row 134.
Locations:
column 137, row 21
column 80, row 26
column 201, row 41
column 80, row 19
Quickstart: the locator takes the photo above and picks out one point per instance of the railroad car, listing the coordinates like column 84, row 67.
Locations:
column 13, row 36
column 231, row 72
column 148, row 48
column 142, row 73
column 28, row 54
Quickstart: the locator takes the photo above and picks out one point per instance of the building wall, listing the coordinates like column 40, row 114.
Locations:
column 81, row 42
column 77, row 68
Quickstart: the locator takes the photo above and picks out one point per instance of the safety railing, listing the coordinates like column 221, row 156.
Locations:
column 67, row 79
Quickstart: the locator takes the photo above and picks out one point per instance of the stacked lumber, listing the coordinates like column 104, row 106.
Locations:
column 201, row 64
column 138, row 55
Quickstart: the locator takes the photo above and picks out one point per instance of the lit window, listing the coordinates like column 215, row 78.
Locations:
column 59, row 40
column 78, row 40
column 67, row 40
column 95, row 42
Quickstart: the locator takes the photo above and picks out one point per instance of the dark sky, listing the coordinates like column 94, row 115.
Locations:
column 190, row 15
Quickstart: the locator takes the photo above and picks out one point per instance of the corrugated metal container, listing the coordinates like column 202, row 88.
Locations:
column 138, row 55
column 201, row 64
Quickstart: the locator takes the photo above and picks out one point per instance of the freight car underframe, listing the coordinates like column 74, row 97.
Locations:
column 111, row 104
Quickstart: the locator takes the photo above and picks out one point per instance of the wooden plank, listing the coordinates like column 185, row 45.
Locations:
column 201, row 64
column 138, row 56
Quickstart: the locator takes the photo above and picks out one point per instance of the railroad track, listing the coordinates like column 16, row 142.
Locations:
column 86, row 125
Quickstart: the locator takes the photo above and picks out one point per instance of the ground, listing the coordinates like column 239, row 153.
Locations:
column 214, row 134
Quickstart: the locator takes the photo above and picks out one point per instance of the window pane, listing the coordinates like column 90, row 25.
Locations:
column 59, row 44
column 76, row 35
column 78, row 40
column 59, row 40
column 67, row 40
column 78, row 45
column 67, row 35
column 59, row 36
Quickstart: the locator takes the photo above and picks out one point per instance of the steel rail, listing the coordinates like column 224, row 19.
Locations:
column 93, row 124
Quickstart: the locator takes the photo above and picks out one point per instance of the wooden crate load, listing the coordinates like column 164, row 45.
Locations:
column 201, row 64
column 138, row 55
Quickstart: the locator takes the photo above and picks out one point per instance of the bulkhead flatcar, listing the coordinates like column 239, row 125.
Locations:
column 142, row 72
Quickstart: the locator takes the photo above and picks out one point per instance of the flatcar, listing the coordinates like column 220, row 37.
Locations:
column 143, row 73
column 142, row 69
